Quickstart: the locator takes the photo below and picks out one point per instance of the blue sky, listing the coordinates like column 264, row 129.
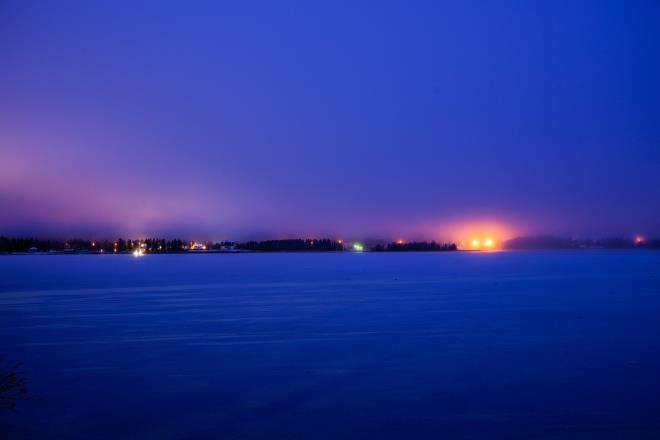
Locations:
column 354, row 119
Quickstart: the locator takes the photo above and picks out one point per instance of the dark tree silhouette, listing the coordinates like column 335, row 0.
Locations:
column 159, row 245
column 416, row 246
column 293, row 245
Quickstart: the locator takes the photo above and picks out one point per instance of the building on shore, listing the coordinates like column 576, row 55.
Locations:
column 196, row 246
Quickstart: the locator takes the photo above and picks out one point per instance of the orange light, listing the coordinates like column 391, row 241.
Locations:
column 475, row 243
column 340, row 241
column 399, row 242
column 489, row 242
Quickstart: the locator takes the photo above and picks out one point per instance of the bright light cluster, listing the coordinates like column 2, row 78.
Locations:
column 486, row 244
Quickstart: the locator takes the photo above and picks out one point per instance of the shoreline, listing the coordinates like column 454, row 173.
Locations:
column 247, row 251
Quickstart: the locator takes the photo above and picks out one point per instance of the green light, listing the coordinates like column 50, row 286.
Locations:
column 358, row 247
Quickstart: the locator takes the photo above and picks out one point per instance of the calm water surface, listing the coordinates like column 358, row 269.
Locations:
column 511, row 345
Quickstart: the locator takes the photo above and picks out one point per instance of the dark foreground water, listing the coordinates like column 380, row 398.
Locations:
column 529, row 345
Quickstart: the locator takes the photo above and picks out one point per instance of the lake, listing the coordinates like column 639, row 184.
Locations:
column 502, row 345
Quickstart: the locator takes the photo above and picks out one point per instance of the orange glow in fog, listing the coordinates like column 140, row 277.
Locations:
column 479, row 235
column 483, row 244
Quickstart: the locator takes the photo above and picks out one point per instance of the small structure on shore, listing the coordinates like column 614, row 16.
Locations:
column 195, row 246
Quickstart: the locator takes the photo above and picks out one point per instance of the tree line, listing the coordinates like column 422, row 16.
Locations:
column 414, row 246
column 292, row 245
column 120, row 245
column 160, row 245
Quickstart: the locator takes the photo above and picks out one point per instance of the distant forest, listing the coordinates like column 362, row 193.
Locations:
column 159, row 245
column 121, row 245
column 292, row 245
column 414, row 246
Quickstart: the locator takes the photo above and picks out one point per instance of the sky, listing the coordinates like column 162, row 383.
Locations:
column 233, row 120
